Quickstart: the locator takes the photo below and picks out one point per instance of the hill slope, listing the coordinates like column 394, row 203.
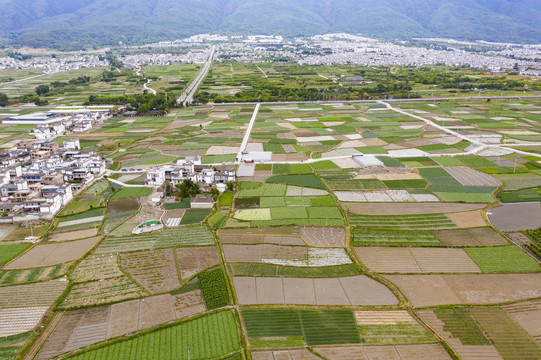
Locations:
column 75, row 23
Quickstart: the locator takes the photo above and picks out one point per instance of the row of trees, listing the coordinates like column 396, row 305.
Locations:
column 143, row 104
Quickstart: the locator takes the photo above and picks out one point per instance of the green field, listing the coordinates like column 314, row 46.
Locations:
column 131, row 192
column 374, row 237
column 503, row 259
column 10, row 251
column 194, row 216
column 276, row 327
column 459, row 322
column 308, row 180
column 214, row 288
column 168, row 237
column 208, row 337
column 420, row 221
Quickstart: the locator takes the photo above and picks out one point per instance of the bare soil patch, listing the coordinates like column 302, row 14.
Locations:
column 468, row 219
column 283, row 235
column 300, row 354
column 528, row 315
column 353, row 290
column 434, row 290
column 123, row 319
column 484, row 236
column 122, row 205
column 192, row 260
column 385, row 352
column 155, row 270
column 188, row 304
column 73, row 235
column 408, row 208
column 516, row 217
column 155, row 310
column 324, row 236
column 52, row 254
column 416, row 260
column 256, row 253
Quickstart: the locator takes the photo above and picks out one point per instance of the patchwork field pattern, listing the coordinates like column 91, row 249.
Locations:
column 195, row 259
column 84, row 327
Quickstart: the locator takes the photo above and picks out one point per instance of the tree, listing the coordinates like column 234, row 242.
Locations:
column 231, row 185
column 42, row 89
column 215, row 193
column 188, row 188
column 4, row 100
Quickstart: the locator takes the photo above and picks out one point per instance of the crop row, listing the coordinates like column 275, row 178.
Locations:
column 261, row 269
column 168, row 237
column 209, row 337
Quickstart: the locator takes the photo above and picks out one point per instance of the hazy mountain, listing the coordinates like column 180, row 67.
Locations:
column 79, row 23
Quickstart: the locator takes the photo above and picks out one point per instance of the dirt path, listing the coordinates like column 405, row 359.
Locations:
column 43, row 337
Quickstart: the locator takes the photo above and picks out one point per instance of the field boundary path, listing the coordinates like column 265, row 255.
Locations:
column 186, row 97
column 32, row 352
column 264, row 74
column 145, row 85
column 247, row 134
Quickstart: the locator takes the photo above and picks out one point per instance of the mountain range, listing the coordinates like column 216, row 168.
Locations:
column 75, row 24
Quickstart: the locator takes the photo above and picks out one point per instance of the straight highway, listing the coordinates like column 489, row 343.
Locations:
column 186, row 97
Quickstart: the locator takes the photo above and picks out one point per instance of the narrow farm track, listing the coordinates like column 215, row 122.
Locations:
column 32, row 352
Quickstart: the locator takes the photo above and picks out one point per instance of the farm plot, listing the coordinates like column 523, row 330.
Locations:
column 10, row 251
column 461, row 332
column 380, row 196
column 261, row 269
column 418, row 221
column 468, row 219
column 287, row 327
column 483, row 236
column 375, row 237
column 470, row 177
column 15, row 321
column 102, row 292
column 131, row 192
column 387, row 352
column 155, row 270
column 122, row 205
column 11, row 346
column 502, row 259
column 353, row 290
column 31, row 295
column 53, row 254
column 30, row 275
column 528, row 315
column 168, row 237
column 73, row 235
column 300, row 354
column 408, row 209
column 195, row 259
column 516, row 217
column 96, row 267
column 212, row 336
column 324, row 236
column 285, row 255
column 435, row 290
column 283, row 235
column 214, row 288
column 390, row 327
column 416, row 260
column 511, row 341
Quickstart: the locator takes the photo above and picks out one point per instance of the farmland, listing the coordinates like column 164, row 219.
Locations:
column 365, row 233
column 219, row 337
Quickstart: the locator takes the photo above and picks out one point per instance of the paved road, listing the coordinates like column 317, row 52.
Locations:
column 186, row 97
column 247, row 134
